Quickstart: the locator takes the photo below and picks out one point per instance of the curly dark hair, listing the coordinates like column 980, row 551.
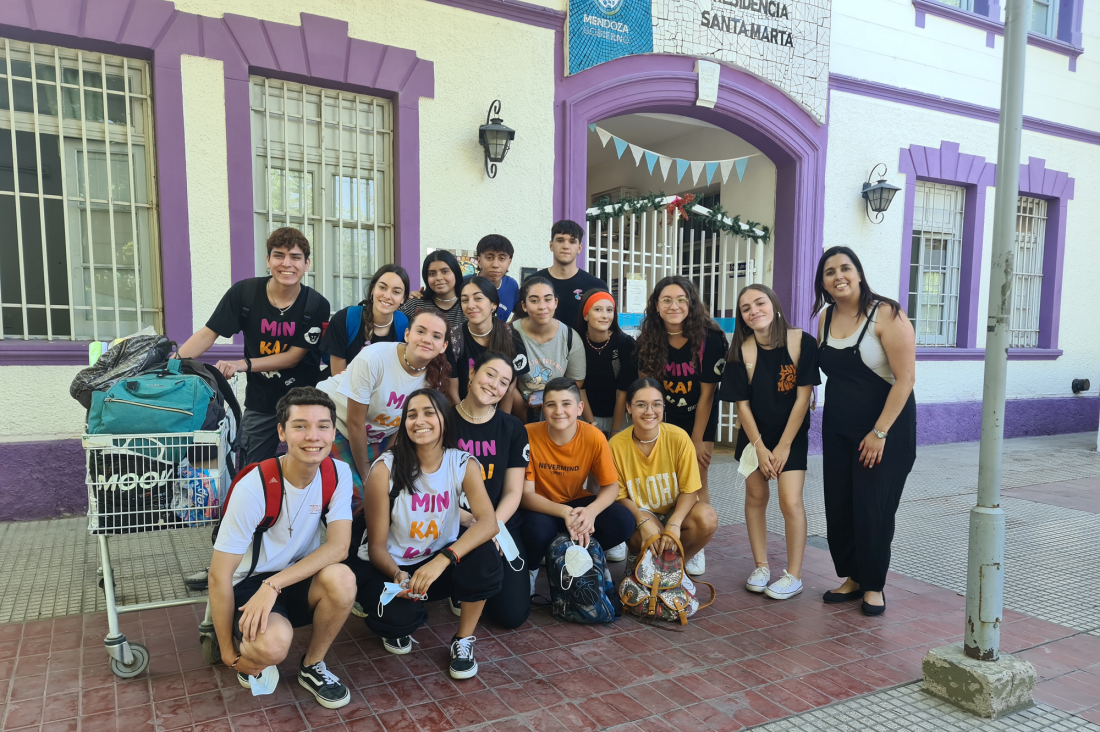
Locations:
column 653, row 338
column 406, row 469
column 287, row 238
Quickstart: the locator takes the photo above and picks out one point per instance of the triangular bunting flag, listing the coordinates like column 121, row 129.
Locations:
column 650, row 159
column 696, row 169
column 591, row 128
column 727, row 167
column 604, row 135
column 681, row 168
column 666, row 163
column 711, row 167
column 620, row 146
column 741, row 163
column 637, row 153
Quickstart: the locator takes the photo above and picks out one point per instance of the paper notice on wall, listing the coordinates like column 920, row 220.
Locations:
column 635, row 294
column 708, row 72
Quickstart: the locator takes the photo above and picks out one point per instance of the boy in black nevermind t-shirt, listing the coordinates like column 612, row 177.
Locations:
column 569, row 281
column 282, row 321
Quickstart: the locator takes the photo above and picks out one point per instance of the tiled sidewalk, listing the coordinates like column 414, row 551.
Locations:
column 744, row 661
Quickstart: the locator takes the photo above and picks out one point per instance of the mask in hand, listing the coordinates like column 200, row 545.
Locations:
column 749, row 461
column 266, row 682
column 389, row 591
column 508, row 546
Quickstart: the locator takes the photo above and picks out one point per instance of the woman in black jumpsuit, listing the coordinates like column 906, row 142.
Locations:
column 869, row 424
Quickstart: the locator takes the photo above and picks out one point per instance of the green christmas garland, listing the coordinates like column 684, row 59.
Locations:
column 715, row 220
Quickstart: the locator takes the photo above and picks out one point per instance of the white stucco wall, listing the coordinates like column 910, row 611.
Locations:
column 478, row 58
column 36, row 404
column 866, row 131
column 879, row 40
column 207, row 184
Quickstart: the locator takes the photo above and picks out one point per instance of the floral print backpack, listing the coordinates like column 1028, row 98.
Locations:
column 658, row 587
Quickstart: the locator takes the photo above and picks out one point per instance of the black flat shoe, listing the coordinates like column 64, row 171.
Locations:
column 873, row 610
column 833, row 598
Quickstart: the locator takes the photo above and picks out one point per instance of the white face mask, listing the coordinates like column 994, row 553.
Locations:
column 749, row 461
column 577, row 560
column 266, row 682
column 508, row 546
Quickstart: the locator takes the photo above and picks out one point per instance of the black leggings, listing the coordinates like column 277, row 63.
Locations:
column 477, row 577
column 860, row 504
column 614, row 525
column 510, row 607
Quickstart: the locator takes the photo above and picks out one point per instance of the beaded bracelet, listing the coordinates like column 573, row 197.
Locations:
column 272, row 586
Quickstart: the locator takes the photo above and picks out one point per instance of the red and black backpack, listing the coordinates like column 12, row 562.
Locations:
column 271, row 472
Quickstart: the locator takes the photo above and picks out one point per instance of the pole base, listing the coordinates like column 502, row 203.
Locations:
column 990, row 689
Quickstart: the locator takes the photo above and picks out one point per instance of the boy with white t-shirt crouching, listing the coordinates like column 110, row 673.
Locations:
column 296, row 580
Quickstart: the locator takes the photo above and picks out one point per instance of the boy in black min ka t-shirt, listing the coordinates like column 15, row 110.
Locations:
column 282, row 321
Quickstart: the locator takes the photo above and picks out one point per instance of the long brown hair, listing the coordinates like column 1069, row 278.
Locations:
column 867, row 296
column 653, row 338
column 368, row 301
column 439, row 368
column 500, row 337
column 406, row 469
column 777, row 331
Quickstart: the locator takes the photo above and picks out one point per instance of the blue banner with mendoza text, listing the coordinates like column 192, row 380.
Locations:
column 602, row 30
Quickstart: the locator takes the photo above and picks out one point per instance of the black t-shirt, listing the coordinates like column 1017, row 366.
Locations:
column 569, row 293
column 684, row 375
column 498, row 444
column 335, row 340
column 611, row 368
column 268, row 332
column 773, row 390
column 463, row 362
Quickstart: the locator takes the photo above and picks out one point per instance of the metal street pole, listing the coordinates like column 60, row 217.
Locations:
column 985, row 563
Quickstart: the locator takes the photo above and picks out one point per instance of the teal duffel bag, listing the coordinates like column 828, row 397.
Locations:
column 151, row 403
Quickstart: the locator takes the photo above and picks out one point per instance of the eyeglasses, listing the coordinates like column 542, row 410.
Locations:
column 669, row 302
column 643, row 407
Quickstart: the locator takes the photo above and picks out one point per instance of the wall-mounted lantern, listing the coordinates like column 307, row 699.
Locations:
column 496, row 138
column 878, row 195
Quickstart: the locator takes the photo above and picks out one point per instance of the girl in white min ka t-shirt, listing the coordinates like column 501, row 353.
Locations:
column 415, row 542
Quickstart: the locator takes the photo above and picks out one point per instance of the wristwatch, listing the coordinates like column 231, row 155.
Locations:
column 880, row 435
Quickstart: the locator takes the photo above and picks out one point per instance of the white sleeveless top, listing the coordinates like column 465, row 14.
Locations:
column 870, row 350
column 425, row 522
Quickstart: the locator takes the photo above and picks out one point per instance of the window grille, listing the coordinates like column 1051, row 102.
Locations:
column 322, row 164
column 78, row 254
column 935, row 263
column 1027, row 279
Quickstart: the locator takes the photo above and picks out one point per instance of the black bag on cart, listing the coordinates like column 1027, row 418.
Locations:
column 130, row 492
column 130, row 357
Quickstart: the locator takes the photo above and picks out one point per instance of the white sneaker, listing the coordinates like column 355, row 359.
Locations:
column 697, row 565
column 617, row 553
column 785, row 587
column 358, row 611
column 758, row 580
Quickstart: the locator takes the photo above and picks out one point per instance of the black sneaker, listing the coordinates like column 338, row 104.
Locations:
column 398, row 646
column 456, row 606
column 463, row 665
column 321, row 682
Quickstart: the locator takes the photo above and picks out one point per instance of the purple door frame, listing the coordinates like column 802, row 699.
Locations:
column 748, row 107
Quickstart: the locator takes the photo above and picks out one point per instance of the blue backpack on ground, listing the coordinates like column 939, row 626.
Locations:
column 588, row 599
column 158, row 401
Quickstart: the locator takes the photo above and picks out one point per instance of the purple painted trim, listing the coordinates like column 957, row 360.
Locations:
column 991, row 42
column 43, row 353
column 862, row 87
column 1067, row 42
column 317, row 52
column 978, row 354
column 55, row 469
column 748, row 107
column 520, row 12
column 972, row 172
column 962, row 421
column 1057, row 188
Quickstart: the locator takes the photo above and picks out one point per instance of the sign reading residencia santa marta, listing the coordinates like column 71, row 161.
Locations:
column 784, row 42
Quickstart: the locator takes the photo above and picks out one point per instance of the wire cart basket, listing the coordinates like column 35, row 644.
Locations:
column 152, row 482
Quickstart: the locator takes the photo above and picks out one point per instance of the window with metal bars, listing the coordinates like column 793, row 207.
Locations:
column 1027, row 279
column 935, row 263
column 322, row 164
column 78, row 235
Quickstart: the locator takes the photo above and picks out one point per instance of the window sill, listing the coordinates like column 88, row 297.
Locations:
column 992, row 27
column 75, row 353
column 978, row 354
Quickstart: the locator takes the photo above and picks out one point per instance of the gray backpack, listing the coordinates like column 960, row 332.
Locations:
column 130, row 357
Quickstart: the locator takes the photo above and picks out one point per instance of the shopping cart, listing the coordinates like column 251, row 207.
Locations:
column 152, row 482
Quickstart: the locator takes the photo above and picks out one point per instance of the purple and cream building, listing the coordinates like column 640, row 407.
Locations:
column 148, row 147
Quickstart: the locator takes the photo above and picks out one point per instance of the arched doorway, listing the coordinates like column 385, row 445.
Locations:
column 748, row 107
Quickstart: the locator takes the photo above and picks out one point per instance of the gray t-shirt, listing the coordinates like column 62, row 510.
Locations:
column 551, row 359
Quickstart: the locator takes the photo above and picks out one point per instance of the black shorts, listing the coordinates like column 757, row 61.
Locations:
column 686, row 421
column 292, row 603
